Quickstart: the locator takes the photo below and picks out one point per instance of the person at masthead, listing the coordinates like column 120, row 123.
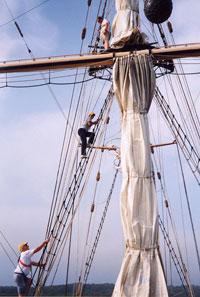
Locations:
column 104, row 31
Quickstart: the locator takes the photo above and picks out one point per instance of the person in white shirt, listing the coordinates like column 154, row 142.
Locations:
column 83, row 132
column 104, row 31
column 23, row 269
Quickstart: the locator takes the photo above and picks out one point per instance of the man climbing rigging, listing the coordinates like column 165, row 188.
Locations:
column 24, row 267
column 83, row 133
column 104, row 31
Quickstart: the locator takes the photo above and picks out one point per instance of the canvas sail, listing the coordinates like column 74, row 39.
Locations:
column 125, row 27
column 141, row 273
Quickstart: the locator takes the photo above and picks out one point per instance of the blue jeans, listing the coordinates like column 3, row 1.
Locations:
column 21, row 281
column 83, row 135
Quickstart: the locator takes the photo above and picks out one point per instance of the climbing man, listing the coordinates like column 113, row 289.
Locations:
column 104, row 31
column 83, row 133
column 23, row 268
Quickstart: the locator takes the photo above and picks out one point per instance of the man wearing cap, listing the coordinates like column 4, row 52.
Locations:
column 83, row 132
column 24, row 267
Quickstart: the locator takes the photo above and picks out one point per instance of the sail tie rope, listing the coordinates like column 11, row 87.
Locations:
column 127, row 175
column 125, row 112
column 132, row 247
column 126, row 7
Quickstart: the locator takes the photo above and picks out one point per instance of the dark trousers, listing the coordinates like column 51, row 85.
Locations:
column 83, row 135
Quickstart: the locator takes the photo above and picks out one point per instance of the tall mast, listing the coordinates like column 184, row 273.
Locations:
column 141, row 272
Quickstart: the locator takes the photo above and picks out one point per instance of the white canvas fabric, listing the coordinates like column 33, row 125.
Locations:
column 125, row 23
column 141, row 273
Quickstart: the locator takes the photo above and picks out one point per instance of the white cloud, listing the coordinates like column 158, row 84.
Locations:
column 28, row 146
column 34, row 26
column 30, row 151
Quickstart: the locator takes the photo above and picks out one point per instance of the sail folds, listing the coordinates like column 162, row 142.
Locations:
column 141, row 273
column 125, row 27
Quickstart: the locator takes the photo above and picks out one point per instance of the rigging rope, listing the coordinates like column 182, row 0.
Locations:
column 57, row 185
column 6, row 251
column 79, row 96
column 186, row 276
column 174, row 257
column 90, row 258
column 20, row 32
column 189, row 209
column 96, row 35
column 32, row 56
column 66, row 207
column 190, row 104
column 166, row 236
column 47, row 84
column 190, row 151
column 68, row 228
column 13, row 19
column 9, row 244
column 68, row 257
column 92, row 209
column 180, row 135
column 191, row 125
column 183, row 220
column 7, row 81
column 7, row 254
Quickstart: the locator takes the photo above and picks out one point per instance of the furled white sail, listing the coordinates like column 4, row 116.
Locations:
column 125, row 26
column 141, row 273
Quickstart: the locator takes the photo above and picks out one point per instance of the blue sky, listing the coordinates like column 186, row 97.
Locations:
column 32, row 128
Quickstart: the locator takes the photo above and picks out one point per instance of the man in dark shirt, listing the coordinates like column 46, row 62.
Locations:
column 83, row 132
